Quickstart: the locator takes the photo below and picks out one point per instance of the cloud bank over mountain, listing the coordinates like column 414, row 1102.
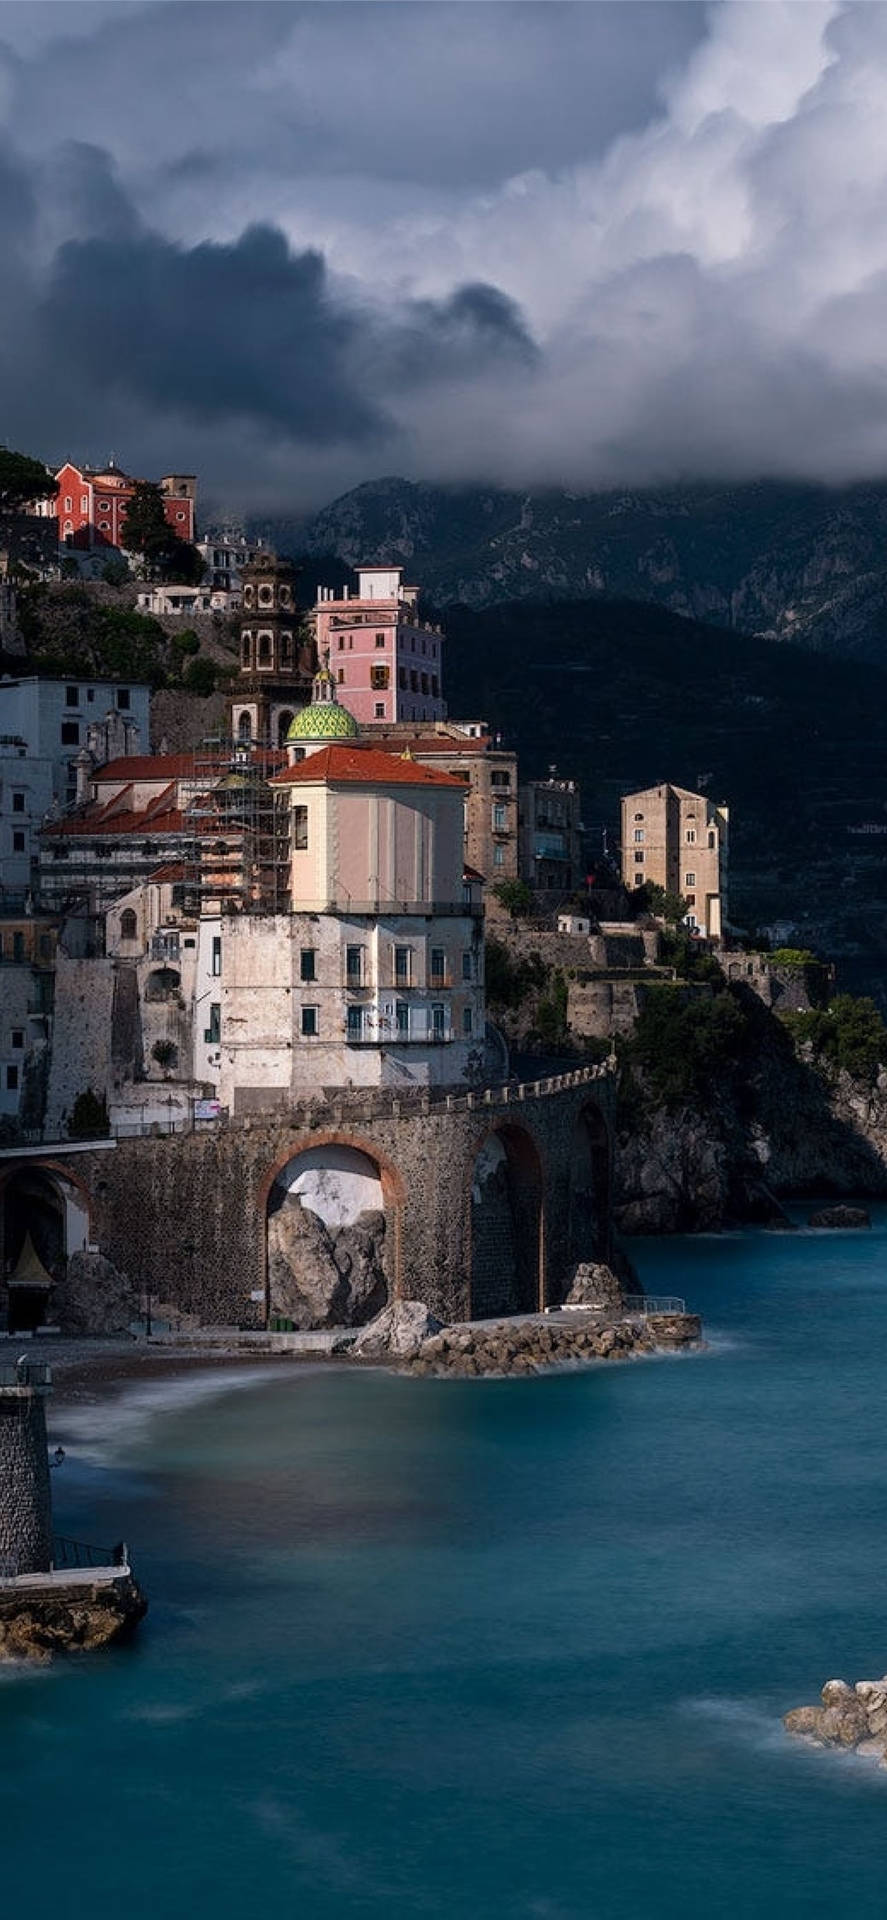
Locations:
column 295, row 246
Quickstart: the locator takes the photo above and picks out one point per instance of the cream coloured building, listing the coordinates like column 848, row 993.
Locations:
column 679, row 840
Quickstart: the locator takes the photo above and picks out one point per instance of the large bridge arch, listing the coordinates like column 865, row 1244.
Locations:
column 45, row 1214
column 505, row 1223
column 332, row 1209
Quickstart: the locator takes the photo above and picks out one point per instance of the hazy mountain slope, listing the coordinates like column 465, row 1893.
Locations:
column 794, row 562
column 623, row 695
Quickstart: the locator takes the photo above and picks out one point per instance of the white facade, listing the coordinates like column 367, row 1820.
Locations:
column 175, row 959
column 312, row 1001
column 44, row 724
column 184, row 602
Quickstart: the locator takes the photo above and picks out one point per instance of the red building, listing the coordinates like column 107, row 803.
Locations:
column 91, row 505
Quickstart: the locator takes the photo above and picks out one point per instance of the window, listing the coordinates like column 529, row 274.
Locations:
column 245, row 649
column 424, row 680
column 438, row 1021
column 380, row 639
column 18, row 803
column 266, row 596
column 638, row 859
column 414, row 680
column 639, row 816
column 300, row 828
column 638, row 879
column 70, row 734
column 691, row 899
column 435, row 685
column 689, row 879
column 18, row 946
column 498, row 856
column 18, row 843
column 104, row 506
column 438, row 966
column 639, row 836
column 690, row 836
column 264, row 649
column 467, row 1021
column 379, row 710
column 72, row 696
column 84, row 502
column 245, row 727
column 467, row 965
column 12, row 1078
column 402, row 968
column 217, row 953
column 354, row 966
column 402, row 679
column 354, row 1023
column 308, row 964
column 500, row 779
column 309, row 1023
column 123, row 699
column 286, row 649
column 128, row 924
column 341, row 676
column 213, row 1033
column 500, row 817
column 379, row 679
column 18, row 1038
column 402, row 1018
column 712, row 840
column 69, row 504
column 341, row 642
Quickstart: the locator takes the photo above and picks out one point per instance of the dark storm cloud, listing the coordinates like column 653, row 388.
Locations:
column 292, row 245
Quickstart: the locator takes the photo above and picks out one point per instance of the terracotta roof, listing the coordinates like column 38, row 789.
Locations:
column 428, row 743
column 178, row 766
column 471, row 873
column 363, row 767
column 162, row 876
column 147, row 821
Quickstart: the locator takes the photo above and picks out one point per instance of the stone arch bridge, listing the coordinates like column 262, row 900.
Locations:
column 480, row 1203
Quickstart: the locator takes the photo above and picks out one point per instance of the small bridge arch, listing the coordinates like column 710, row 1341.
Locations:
column 45, row 1214
column 332, row 1209
column 505, row 1223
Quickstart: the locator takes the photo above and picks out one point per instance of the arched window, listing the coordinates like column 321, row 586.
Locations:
column 264, row 649
column 244, row 727
column 129, row 925
column 246, row 648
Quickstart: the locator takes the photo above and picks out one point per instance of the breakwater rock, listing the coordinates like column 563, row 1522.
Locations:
column 41, row 1618
column 841, row 1217
column 533, row 1345
column 853, row 1717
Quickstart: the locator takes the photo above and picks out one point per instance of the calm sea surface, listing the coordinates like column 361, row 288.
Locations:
column 483, row 1648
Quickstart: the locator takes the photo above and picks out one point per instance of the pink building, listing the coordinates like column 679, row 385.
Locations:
column 386, row 663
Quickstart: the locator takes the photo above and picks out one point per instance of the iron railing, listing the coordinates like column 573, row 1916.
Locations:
column 26, row 1373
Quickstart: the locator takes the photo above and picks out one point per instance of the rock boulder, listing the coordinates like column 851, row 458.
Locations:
column 840, row 1216
column 321, row 1276
column 397, row 1332
column 94, row 1298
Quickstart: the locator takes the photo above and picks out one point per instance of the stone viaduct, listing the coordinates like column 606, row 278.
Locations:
column 489, row 1198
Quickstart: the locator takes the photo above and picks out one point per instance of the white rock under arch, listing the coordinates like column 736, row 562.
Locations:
column 338, row 1183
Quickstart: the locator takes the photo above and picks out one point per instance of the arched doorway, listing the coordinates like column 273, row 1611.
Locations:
column 506, row 1225
column 45, row 1220
column 330, row 1238
column 590, row 1236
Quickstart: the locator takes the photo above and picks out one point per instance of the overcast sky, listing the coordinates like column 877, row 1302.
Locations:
column 296, row 247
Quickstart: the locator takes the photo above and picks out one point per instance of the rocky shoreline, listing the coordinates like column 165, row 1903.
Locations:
column 850, row 1717
column 408, row 1337
column 55, row 1616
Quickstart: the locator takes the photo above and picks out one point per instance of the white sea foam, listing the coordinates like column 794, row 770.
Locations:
column 100, row 1432
column 743, row 1721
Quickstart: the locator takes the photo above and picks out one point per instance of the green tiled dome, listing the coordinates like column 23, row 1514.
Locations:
column 323, row 720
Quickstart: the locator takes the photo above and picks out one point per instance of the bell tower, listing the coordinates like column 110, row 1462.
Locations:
column 276, row 657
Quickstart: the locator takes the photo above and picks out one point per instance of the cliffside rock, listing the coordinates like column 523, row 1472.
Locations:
column 397, row 1332
column 840, row 1217
column 323, row 1278
column 595, row 1285
column 94, row 1298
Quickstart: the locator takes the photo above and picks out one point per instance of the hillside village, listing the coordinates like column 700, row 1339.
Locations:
column 341, row 892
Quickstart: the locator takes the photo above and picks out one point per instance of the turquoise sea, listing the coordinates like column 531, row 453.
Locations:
column 512, row 1648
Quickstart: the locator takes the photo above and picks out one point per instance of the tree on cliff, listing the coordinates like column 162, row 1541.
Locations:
column 148, row 532
column 23, row 480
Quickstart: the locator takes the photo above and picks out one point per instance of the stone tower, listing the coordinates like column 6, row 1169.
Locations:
column 276, row 659
column 25, row 1498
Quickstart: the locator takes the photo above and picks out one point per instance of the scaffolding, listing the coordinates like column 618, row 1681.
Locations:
column 236, row 849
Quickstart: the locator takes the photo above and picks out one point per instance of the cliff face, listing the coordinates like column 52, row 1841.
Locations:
column 703, row 1169
column 793, row 562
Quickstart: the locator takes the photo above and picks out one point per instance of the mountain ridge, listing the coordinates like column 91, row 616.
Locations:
column 787, row 561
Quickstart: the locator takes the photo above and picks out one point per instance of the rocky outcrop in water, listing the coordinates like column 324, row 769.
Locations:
column 41, row 1622
column 533, row 1346
column 325, row 1277
column 840, row 1217
column 852, row 1717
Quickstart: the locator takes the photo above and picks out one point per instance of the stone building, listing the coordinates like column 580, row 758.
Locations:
column 276, row 654
column 386, row 661
column 27, row 975
column 488, row 772
column 550, row 824
column 679, row 840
